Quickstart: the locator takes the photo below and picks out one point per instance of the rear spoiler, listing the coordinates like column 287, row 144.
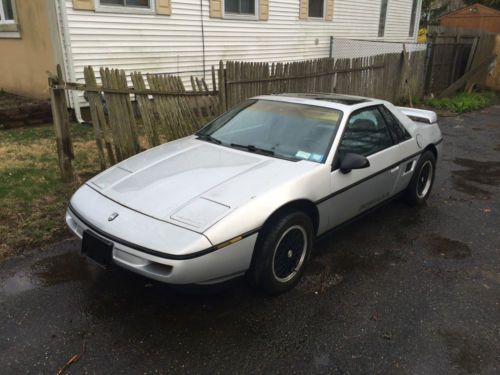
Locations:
column 419, row 115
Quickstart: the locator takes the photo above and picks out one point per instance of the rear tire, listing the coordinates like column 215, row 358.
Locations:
column 421, row 183
column 281, row 253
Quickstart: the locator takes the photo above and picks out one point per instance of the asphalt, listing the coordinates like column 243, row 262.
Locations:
column 402, row 291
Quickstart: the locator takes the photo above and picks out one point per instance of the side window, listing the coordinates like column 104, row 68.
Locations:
column 397, row 129
column 366, row 134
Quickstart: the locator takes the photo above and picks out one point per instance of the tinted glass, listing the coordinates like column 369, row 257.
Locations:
column 366, row 133
column 396, row 128
column 316, row 8
column 293, row 131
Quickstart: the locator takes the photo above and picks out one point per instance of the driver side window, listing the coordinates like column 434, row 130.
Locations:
column 366, row 133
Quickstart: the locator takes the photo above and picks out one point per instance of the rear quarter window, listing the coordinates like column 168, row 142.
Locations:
column 397, row 129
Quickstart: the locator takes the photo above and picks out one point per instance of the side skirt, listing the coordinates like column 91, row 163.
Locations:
column 358, row 217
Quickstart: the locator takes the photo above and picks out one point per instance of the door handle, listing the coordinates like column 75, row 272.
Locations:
column 395, row 169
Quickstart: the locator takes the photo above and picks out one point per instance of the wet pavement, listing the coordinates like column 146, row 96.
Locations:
column 402, row 291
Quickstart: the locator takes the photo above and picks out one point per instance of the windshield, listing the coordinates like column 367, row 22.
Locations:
column 279, row 129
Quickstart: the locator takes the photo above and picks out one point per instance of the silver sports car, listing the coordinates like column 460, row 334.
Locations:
column 251, row 191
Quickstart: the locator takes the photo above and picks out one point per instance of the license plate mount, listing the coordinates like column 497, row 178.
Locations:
column 97, row 249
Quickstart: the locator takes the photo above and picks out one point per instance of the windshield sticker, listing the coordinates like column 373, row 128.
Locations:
column 302, row 154
column 317, row 157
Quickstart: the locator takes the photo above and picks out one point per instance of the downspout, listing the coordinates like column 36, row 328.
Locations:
column 69, row 69
column 202, row 36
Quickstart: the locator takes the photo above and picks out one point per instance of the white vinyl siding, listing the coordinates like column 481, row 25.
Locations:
column 153, row 43
column 398, row 19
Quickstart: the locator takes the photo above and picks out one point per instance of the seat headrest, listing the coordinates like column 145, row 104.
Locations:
column 363, row 125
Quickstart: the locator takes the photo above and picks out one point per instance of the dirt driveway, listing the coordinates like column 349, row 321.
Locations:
column 401, row 291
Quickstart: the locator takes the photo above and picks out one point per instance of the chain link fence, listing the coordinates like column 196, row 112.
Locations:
column 354, row 48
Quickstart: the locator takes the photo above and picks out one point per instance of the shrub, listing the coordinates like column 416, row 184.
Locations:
column 462, row 102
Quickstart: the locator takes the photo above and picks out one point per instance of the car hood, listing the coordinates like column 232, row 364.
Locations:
column 192, row 183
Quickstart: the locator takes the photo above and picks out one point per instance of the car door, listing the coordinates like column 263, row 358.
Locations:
column 366, row 133
column 406, row 148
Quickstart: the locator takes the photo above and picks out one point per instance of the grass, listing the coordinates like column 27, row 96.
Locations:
column 462, row 102
column 32, row 197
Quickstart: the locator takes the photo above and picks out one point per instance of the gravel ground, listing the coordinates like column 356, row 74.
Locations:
column 403, row 291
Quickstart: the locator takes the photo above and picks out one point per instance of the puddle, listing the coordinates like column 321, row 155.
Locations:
column 476, row 172
column 47, row 272
column 448, row 249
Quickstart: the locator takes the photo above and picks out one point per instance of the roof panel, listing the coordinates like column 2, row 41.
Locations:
column 333, row 98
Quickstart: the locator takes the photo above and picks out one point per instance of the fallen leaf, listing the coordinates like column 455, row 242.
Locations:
column 72, row 360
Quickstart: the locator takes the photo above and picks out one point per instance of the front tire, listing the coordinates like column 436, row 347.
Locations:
column 281, row 253
column 422, row 180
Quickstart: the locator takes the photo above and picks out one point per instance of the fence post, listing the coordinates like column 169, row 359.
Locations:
column 61, row 125
column 431, row 45
column 222, row 87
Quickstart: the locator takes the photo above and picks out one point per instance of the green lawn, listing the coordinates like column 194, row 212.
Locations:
column 33, row 199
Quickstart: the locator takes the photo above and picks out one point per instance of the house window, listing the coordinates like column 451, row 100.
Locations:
column 8, row 20
column 128, row 3
column 6, row 11
column 383, row 16
column 413, row 18
column 240, row 7
column 316, row 8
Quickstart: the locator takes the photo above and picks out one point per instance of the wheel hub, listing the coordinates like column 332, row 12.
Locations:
column 289, row 253
column 424, row 179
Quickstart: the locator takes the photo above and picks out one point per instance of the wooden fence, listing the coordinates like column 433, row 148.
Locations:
column 132, row 113
column 453, row 53
column 394, row 76
column 126, row 119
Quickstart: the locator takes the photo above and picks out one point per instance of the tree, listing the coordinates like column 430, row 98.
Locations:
column 489, row 3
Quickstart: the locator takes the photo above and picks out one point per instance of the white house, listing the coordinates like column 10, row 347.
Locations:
column 189, row 36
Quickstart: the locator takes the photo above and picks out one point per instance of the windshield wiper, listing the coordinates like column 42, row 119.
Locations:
column 254, row 149
column 209, row 138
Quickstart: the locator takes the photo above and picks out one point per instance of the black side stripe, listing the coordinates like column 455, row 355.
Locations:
column 155, row 252
column 372, row 175
column 223, row 244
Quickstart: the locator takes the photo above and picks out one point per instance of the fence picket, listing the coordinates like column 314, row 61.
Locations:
column 164, row 110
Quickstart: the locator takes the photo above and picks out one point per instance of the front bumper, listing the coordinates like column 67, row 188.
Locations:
column 156, row 249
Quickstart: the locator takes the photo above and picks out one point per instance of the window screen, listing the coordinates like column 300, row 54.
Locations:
column 127, row 3
column 244, row 7
column 316, row 8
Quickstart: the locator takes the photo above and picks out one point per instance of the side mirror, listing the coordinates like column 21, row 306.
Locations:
column 353, row 161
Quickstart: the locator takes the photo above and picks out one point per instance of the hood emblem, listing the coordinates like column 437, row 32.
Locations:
column 113, row 216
